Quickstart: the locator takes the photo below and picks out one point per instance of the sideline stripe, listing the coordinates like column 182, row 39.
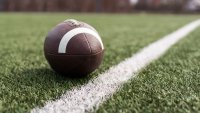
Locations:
column 89, row 96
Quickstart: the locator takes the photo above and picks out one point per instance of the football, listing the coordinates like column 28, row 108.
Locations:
column 73, row 48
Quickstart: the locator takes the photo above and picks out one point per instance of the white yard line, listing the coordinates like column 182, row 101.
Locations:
column 89, row 96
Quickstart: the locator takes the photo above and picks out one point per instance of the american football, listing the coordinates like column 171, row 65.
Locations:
column 73, row 48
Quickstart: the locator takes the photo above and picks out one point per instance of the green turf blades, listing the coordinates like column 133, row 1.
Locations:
column 170, row 84
column 26, row 80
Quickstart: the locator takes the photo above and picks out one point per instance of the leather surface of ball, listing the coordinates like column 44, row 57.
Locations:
column 73, row 48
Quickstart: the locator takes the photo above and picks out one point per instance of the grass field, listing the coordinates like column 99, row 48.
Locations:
column 170, row 84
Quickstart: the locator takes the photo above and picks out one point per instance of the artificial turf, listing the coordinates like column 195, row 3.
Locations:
column 168, row 85
column 26, row 80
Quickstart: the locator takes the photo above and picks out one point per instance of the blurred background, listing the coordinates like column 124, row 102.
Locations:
column 110, row 6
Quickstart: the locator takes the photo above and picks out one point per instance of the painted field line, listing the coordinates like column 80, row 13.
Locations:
column 88, row 97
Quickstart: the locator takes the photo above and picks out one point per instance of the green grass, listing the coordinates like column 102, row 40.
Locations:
column 169, row 85
column 26, row 80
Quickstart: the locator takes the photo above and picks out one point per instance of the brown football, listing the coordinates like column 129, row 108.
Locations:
column 73, row 48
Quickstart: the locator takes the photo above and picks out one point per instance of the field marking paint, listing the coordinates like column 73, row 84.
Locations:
column 89, row 96
column 69, row 35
